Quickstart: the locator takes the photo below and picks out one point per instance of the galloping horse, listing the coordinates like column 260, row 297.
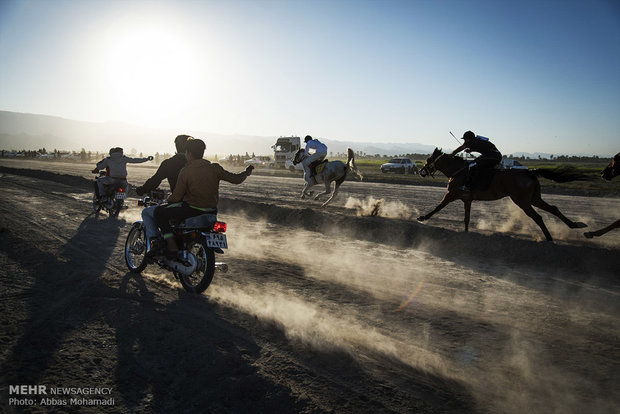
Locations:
column 521, row 186
column 332, row 171
column 612, row 170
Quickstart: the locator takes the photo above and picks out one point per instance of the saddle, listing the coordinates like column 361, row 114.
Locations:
column 317, row 167
column 479, row 178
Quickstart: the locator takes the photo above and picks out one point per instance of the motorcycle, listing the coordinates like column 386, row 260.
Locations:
column 199, row 238
column 113, row 197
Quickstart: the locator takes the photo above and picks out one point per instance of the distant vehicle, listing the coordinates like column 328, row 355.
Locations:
column 284, row 151
column 400, row 165
column 260, row 162
column 509, row 164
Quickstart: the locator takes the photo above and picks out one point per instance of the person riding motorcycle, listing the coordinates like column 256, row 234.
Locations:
column 196, row 190
column 489, row 155
column 319, row 152
column 116, row 167
column 168, row 169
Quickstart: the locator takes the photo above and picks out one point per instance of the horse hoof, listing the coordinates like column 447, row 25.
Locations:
column 588, row 235
column 580, row 225
column 421, row 218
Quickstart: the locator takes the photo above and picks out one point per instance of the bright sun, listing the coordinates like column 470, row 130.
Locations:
column 149, row 72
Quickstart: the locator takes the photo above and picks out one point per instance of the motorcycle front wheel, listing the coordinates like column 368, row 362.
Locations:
column 135, row 249
column 201, row 278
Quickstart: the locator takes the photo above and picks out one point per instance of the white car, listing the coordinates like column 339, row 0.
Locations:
column 400, row 165
column 260, row 162
column 509, row 164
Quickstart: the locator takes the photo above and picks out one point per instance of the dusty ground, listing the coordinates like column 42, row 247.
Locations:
column 322, row 310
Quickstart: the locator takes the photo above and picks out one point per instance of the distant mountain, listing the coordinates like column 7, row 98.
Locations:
column 32, row 132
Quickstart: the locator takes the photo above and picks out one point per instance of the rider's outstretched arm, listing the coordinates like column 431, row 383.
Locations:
column 459, row 149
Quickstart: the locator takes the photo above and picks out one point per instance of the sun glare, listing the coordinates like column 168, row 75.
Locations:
column 149, row 72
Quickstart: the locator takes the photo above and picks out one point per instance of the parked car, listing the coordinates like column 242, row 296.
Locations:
column 510, row 164
column 400, row 165
column 260, row 161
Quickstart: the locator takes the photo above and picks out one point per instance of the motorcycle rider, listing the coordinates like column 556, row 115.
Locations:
column 116, row 169
column 489, row 155
column 319, row 152
column 196, row 190
column 168, row 169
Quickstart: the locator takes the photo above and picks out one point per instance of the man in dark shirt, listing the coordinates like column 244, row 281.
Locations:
column 489, row 155
column 169, row 169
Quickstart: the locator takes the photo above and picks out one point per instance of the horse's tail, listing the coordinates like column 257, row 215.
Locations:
column 351, row 164
column 560, row 174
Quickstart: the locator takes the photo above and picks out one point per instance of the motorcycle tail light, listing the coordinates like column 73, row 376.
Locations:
column 219, row 227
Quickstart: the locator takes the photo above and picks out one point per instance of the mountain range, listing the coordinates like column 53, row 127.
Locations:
column 23, row 131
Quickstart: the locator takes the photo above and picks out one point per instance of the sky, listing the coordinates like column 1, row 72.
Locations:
column 534, row 76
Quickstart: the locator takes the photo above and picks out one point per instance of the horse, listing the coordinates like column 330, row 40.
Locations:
column 333, row 171
column 522, row 186
column 612, row 170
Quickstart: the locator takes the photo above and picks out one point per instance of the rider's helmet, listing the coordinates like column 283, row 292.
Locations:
column 179, row 142
column 308, row 138
column 116, row 149
column 468, row 136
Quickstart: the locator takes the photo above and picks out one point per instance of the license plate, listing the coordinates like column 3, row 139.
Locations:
column 120, row 196
column 216, row 240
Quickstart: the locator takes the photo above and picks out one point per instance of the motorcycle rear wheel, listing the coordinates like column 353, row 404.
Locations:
column 96, row 205
column 135, row 249
column 200, row 280
column 116, row 208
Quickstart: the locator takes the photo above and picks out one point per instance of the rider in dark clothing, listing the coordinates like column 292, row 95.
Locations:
column 489, row 155
column 168, row 169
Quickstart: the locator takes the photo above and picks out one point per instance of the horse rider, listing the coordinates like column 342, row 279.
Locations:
column 168, row 169
column 116, row 167
column 489, row 155
column 196, row 190
column 319, row 152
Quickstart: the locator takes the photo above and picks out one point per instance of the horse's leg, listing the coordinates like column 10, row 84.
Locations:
column 304, row 192
column 537, row 201
column 597, row 233
column 327, row 190
column 447, row 199
column 467, row 205
column 336, row 185
column 529, row 210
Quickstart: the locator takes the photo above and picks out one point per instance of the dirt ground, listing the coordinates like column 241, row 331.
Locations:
column 323, row 310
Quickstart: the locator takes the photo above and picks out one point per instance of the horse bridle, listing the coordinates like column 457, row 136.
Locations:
column 428, row 167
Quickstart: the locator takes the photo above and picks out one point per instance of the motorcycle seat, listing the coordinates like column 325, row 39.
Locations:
column 203, row 221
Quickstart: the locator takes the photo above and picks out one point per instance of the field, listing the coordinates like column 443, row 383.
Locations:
column 323, row 310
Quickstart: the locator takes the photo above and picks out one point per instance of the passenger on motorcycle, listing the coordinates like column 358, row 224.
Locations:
column 196, row 191
column 116, row 164
column 168, row 169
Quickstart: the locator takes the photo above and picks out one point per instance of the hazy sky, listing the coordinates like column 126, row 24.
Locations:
column 532, row 75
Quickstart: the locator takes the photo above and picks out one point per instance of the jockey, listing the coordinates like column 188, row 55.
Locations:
column 489, row 155
column 318, row 153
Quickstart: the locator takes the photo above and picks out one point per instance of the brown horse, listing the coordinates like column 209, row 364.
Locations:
column 609, row 172
column 521, row 186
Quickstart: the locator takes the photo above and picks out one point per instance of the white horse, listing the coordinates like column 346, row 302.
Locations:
column 332, row 171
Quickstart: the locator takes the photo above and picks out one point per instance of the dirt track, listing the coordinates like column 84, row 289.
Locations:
column 322, row 310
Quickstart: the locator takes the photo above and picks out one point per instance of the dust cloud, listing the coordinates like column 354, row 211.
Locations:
column 382, row 208
column 478, row 325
